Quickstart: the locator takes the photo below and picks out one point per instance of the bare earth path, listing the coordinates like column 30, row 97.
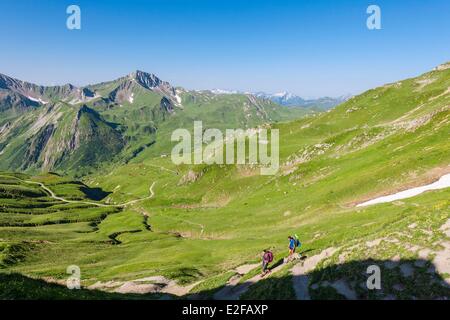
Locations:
column 300, row 270
column 154, row 284
column 233, row 290
column 442, row 258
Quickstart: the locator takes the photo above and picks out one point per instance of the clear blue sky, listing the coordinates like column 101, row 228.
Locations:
column 312, row 48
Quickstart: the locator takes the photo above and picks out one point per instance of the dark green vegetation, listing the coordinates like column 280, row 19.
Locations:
column 204, row 221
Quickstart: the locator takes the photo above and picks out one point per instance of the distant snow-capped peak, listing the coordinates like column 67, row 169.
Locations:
column 288, row 99
column 283, row 94
column 222, row 91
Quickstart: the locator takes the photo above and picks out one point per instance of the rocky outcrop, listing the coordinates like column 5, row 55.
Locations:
column 37, row 144
column 166, row 105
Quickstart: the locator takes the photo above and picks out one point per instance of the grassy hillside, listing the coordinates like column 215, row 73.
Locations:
column 204, row 221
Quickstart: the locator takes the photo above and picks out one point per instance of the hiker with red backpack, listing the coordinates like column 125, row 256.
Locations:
column 267, row 257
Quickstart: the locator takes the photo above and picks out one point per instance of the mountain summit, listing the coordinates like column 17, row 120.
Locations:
column 147, row 80
column 126, row 89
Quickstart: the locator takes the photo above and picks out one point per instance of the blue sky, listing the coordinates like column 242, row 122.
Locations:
column 312, row 48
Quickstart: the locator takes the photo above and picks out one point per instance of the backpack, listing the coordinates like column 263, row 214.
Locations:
column 297, row 241
column 269, row 256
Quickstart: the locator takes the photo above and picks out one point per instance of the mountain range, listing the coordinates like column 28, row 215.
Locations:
column 291, row 100
column 76, row 128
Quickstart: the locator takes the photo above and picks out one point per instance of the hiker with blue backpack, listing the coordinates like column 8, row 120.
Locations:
column 294, row 243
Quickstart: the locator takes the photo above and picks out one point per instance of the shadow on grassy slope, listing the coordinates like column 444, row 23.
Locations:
column 14, row 286
column 96, row 194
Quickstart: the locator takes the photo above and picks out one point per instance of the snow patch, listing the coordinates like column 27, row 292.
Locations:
column 443, row 182
column 221, row 91
column 37, row 100
column 178, row 98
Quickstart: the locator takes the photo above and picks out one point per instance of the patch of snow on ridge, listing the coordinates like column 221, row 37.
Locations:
column 284, row 94
column 131, row 98
column 443, row 182
column 177, row 97
column 37, row 100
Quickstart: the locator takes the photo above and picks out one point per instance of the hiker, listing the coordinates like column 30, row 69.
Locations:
column 291, row 247
column 294, row 242
column 267, row 257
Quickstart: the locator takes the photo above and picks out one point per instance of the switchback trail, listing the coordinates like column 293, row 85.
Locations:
column 54, row 196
